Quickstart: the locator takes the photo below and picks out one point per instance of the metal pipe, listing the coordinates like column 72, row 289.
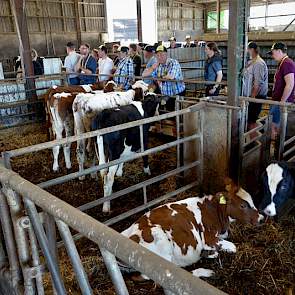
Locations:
column 151, row 203
column 114, row 271
column 47, row 145
column 75, row 258
column 201, row 146
column 40, row 234
column 135, row 187
column 283, row 127
column 93, row 169
column 290, row 140
column 139, row 258
column 290, row 106
column 16, row 210
column 242, row 121
column 36, row 261
column 9, row 239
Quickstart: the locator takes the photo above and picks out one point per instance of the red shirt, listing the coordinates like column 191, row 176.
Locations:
column 286, row 67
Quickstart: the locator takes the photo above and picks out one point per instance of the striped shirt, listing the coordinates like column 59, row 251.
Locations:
column 125, row 67
column 173, row 69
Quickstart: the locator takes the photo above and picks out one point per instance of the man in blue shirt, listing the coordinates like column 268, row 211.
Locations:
column 125, row 69
column 168, row 68
column 150, row 59
column 87, row 65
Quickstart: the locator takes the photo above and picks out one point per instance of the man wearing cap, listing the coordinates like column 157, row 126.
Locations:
column 150, row 59
column 255, row 82
column 71, row 60
column 87, row 65
column 135, row 58
column 173, row 43
column 167, row 68
column 188, row 43
column 284, row 86
column 125, row 68
column 105, row 64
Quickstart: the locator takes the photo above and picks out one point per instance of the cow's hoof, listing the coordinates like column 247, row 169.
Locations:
column 106, row 208
column 119, row 173
column 93, row 175
column 203, row 273
column 227, row 246
column 147, row 170
column 138, row 278
column 56, row 170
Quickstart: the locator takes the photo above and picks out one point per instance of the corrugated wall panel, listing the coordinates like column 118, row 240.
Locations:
column 178, row 20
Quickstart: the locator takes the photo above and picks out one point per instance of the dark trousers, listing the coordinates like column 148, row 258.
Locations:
column 254, row 109
column 208, row 88
column 74, row 81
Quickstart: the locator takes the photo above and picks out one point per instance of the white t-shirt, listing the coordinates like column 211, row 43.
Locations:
column 105, row 67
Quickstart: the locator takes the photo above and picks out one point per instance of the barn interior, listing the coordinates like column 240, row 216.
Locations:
column 191, row 150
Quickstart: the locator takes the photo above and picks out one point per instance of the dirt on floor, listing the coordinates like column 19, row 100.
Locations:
column 263, row 264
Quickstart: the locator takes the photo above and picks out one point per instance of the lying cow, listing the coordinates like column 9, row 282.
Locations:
column 120, row 144
column 58, row 101
column 87, row 106
column 180, row 231
column 278, row 186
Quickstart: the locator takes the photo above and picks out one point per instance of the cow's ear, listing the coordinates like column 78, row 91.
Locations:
column 230, row 186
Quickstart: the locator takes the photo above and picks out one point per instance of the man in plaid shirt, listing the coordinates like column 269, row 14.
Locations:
column 125, row 67
column 168, row 68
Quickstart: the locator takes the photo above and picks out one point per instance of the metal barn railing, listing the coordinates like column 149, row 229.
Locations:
column 174, row 280
column 17, row 229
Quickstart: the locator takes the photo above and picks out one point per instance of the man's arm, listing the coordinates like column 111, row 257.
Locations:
column 78, row 65
column 149, row 71
column 289, row 80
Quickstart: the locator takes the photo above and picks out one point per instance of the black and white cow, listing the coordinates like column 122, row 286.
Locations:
column 278, row 186
column 119, row 144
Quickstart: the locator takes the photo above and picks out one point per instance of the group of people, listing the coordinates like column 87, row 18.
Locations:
column 160, row 71
column 255, row 82
column 82, row 67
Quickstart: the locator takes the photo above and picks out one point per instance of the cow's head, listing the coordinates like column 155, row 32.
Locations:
column 278, row 187
column 150, row 104
column 140, row 88
column 240, row 206
column 98, row 86
column 110, row 87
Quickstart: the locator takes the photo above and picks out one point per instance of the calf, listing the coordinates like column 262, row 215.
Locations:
column 119, row 144
column 87, row 106
column 58, row 102
column 180, row 231
column 278, row 182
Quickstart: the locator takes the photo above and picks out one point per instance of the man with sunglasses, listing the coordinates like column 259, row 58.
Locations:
column 284, row 86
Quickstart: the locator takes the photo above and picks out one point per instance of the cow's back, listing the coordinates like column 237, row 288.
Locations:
column 172, row 231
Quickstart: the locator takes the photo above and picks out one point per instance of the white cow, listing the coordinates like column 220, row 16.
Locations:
column 86, row 106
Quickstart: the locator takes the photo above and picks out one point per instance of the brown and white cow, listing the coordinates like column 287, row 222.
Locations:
column 180, row 231
column 58, row 102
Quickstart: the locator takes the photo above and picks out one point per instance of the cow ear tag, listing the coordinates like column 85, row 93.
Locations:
column 222, row 200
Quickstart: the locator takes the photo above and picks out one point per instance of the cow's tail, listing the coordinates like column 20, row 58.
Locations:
column 125, row 268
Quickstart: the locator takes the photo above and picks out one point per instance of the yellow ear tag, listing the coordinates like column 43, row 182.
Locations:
column 222, row 200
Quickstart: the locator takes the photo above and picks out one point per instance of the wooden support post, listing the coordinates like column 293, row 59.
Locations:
column 78, row 24
column 237, row 37
column 19, row 13
column 218, row 16
column 139, row 20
